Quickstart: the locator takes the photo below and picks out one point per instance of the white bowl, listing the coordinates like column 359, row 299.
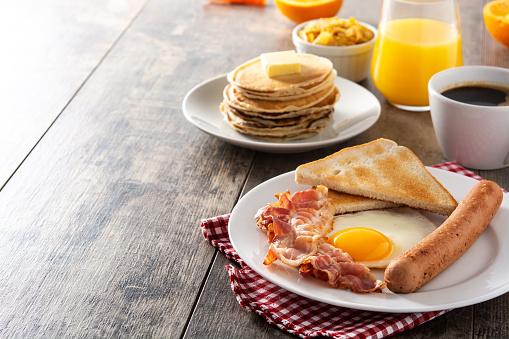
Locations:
column 474, row 136
column 351, row 62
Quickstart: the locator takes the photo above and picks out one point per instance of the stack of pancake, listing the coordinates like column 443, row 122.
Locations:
column 281, row 108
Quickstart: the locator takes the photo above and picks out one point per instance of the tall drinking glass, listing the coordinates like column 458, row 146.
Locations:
column 416, row 39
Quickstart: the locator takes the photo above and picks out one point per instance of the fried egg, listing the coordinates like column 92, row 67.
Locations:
column 374, row 238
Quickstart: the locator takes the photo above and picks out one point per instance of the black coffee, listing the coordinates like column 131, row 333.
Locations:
column 482, row 95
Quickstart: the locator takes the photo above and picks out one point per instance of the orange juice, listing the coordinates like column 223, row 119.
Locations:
column 408, row 52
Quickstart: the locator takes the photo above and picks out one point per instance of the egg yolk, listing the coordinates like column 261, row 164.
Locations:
column 363, row 244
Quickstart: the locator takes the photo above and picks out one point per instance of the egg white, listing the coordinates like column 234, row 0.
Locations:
column 403, row 226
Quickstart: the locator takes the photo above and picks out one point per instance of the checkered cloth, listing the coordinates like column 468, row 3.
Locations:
column 302, row 316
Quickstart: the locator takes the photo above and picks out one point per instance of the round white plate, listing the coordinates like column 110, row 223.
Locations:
column 356, row 110
column 480, row 274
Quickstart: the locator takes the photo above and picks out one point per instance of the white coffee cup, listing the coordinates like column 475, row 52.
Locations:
column 472, row 135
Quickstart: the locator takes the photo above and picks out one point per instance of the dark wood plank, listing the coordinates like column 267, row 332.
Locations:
column 100, row 223
column 49, row 48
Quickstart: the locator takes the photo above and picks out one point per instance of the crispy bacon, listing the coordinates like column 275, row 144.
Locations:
column 269, row 258
column 296, row 226
column 339, row 270
column 295, row 223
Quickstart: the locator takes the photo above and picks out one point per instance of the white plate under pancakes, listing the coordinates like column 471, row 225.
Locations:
column 356, row 111
column 479, row 275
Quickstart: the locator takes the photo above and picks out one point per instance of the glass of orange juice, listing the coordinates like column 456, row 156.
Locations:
column 416, row 39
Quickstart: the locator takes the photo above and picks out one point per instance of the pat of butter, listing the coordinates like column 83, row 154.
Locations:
column 280, row 63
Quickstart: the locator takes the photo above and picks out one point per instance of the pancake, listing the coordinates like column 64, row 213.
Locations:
column 278, row 96
column 251, row 76
column 282, row 133
column 292, row 121
column 239, row 101
column 325, row 104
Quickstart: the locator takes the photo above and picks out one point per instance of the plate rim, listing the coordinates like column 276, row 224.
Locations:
column 283, row 147
column 409, row 303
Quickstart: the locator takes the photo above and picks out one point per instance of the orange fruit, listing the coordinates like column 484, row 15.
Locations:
column 496, row 19
column 304, row 10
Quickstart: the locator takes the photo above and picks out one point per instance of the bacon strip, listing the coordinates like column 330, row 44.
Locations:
column 296, row 226
column 295, row 223
column 339, row 270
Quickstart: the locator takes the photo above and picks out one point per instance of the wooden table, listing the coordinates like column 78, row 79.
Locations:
column 104, row 182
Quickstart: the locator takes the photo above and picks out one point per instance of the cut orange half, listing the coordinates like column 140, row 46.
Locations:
column 496, row 19
column 304, row 10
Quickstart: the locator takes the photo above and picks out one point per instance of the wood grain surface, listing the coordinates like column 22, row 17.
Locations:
column 49, row 50
column 104, row 182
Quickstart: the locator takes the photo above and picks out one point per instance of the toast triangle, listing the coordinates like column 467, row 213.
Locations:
column 381, row 170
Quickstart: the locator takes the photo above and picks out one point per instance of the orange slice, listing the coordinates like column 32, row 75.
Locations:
column 496, row 19
column 304, row 10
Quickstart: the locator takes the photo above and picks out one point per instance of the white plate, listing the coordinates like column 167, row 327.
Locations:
column 480, row 274
column 201, row 108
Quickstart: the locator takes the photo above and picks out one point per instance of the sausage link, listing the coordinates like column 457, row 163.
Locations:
column 421, row 263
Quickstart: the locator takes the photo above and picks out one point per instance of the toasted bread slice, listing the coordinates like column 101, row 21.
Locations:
column 380, row 170
column 346, row 203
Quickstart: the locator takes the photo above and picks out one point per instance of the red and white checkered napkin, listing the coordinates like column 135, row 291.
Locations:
column 302, row 316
